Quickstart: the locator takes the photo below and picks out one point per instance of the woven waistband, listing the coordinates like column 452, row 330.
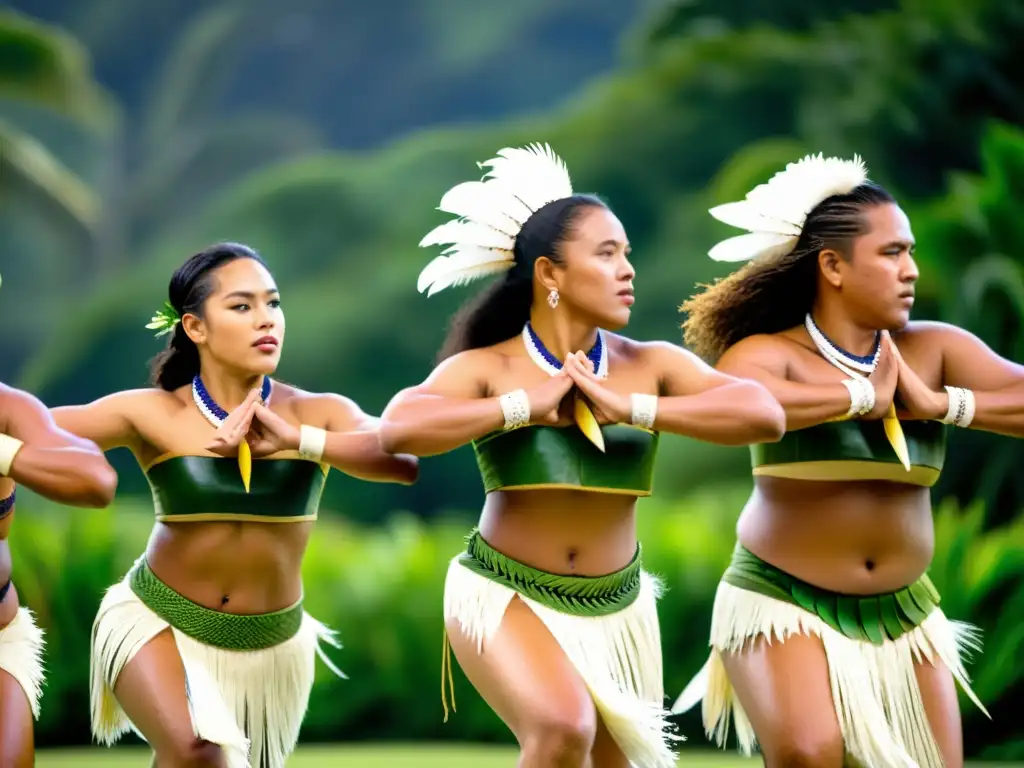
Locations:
column 574, row 595
column 230, row 631
column 872, row 618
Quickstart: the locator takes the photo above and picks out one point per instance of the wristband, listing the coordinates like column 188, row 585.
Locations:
column 515, row 406
column 311, row 442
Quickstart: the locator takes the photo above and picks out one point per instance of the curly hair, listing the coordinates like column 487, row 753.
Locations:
column 771, row 296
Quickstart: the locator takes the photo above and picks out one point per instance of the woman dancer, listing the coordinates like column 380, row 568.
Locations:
column 66, row 469
column 204, row 648
column 836, row 539
column 549, row 611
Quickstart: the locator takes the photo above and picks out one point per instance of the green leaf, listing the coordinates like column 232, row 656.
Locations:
column 26, row 162
column 44, row 65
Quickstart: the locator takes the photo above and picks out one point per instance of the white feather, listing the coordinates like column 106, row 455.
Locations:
column 459, row 265
column 763, row 244
column 744, row 216
column 774, row 213
column 491, row 214
column 461, row 232
column 534, row 174
column 486, row 204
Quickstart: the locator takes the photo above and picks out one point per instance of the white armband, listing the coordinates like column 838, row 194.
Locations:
column 515, row 406
column 9, row 447
column 961, row 407
column 312, row 441
column 862, row 397
column 645, row 410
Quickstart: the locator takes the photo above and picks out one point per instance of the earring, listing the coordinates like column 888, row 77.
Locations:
column 553, row 298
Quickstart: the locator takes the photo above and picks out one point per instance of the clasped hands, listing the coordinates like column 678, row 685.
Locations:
column 257, row 425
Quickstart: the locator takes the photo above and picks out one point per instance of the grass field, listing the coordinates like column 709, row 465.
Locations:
column 422, row 756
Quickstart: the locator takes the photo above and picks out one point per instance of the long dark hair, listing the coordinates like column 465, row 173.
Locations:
column 190, row 287
column 500, row 312
column 771, row 296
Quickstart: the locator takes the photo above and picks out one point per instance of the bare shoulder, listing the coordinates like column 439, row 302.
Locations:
column 147, row 400
column 771, row 351
column 921, row 332
column 10, row 397
column 470, row 371
column 652, row 353
column 289, row 396
column 126, row 402
column 328, row 410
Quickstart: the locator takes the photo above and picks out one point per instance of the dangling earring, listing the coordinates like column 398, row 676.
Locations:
column 553, row 298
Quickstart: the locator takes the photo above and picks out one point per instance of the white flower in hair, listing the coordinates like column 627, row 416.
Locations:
column 491, row 214
column 774, row 213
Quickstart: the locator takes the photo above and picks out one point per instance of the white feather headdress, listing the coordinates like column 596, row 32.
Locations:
column 774, row 213
column 491, row 212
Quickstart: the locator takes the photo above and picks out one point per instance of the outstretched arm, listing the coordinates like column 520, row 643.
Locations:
column 110, row 421
column 701, row 402
column 352, row 442
column 693, row 399
column 761, row 359
column 997, row 384
column 445, row 412
column 37, row 453
column 453, row 406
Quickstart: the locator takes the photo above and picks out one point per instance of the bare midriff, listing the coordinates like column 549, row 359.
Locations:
column 236, row 567
column 858, row 538
column 567, row 532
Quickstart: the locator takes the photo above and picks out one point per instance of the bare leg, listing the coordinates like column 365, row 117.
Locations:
column 784, row 689
column 17, row 746
column 606, row 753
column 526, row 679
column 938, row 690
column 151, row 689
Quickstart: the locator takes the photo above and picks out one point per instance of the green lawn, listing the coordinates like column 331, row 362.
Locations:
column 425, row 756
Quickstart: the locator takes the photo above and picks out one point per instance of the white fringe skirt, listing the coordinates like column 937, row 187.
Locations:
column 874, row 686
column 249, row 702
column 21, row 655
column 618, row 655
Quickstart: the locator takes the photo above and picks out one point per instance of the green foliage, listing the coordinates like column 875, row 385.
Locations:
column 340, row 229
column 968, row 246
column 381, row 588
column 42, row 65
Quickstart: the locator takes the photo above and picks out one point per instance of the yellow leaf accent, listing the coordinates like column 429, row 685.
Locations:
column 897, row 439
column 245, row 463
column 587, row 422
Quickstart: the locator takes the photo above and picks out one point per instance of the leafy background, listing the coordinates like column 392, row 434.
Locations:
column 323, row 133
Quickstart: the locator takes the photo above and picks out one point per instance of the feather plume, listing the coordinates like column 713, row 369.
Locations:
column 742, row 216
column 486, row 204
column 774, row 212
column 460, row 267
column 468, row 233
column 491, row 213
column 535, row 175
column 764, row 244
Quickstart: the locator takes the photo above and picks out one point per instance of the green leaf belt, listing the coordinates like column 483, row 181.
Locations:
column 574, row 595
column 230, row 631
column 873, row 618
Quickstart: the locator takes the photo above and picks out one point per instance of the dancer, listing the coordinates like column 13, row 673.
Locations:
column 827, row 639
column 548, row 610
column 49, row 461
column 204, row 649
